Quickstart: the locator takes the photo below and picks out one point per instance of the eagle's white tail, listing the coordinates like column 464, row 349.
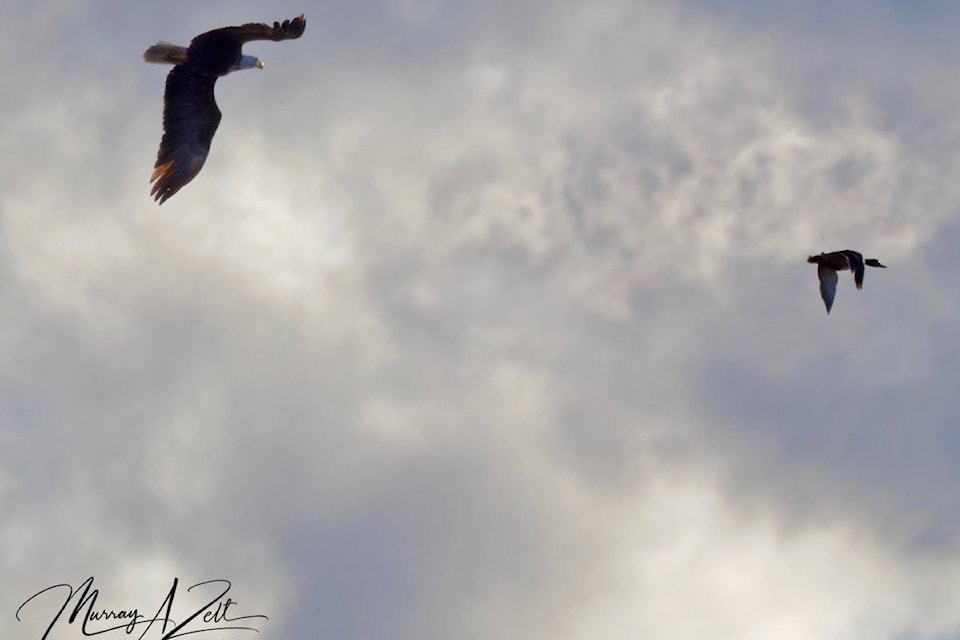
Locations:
column 165, row 53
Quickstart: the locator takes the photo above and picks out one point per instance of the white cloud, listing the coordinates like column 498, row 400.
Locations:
column 487, row 320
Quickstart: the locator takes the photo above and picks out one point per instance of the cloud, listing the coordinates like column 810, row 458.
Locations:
column 488, row 320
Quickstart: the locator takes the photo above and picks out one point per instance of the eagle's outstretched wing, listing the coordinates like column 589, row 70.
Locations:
column 286, row 30
column 190, row 118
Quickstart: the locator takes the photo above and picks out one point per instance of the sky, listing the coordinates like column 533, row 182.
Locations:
column 487, row 320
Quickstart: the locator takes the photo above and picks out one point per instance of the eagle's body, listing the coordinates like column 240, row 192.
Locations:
column 190, row 112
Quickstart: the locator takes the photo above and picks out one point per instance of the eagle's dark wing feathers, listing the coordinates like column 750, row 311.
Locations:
column 190, row 118
column 286, row 30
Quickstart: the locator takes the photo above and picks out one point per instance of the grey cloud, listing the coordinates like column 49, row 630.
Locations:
column 487, row 320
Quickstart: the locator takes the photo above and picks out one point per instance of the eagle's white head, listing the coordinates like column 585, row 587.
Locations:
column 249, row 62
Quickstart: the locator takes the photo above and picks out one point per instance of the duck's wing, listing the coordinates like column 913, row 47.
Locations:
column 856, row 265
column 828, row 285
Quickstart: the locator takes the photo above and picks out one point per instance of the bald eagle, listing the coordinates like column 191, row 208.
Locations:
column 190, row 113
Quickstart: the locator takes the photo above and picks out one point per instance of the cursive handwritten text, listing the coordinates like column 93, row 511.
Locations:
column 212, row 615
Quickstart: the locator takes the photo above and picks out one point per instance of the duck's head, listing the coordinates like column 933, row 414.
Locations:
column 814, row 259
column 873, row 262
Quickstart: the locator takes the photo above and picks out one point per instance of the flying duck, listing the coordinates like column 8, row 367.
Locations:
column 190, row 113
column 829, row 263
